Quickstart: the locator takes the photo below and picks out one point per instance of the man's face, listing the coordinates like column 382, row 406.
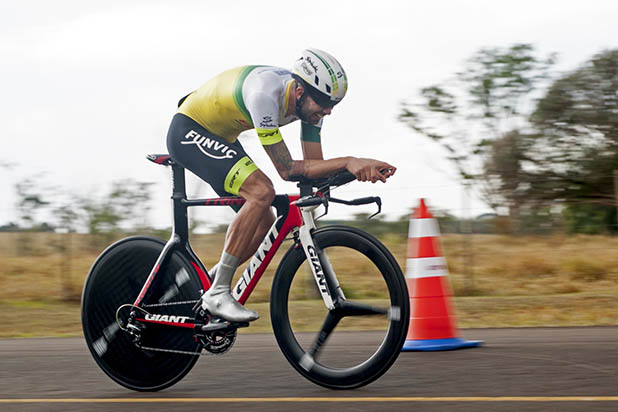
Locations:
column 312, row 112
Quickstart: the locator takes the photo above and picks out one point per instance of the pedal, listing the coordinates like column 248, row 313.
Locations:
column 212, row 326
column 223, row 325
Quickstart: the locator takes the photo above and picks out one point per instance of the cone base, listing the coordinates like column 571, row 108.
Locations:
column 439, row 344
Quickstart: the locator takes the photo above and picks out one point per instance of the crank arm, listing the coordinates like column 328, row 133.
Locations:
column 222, row 326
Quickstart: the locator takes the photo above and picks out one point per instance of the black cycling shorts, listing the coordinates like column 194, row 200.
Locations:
column 223, row 165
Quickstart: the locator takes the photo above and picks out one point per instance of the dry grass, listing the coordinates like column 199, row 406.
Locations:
column 498, row 265
column 497, row 280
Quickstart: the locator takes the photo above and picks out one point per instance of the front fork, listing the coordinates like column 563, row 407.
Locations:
column 322, row 270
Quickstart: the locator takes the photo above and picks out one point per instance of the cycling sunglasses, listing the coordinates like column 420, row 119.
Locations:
column 321, row 99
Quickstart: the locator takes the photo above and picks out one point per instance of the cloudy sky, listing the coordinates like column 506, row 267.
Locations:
column 89, row 87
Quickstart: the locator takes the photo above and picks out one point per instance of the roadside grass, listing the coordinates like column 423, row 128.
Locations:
column 55, row 319
column 27, row 319
column 498, row 281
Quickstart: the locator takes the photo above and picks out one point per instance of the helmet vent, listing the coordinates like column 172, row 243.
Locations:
column 327, row 88
column 316, row 80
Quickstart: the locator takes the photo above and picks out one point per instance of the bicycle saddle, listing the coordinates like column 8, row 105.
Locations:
column 161, row 159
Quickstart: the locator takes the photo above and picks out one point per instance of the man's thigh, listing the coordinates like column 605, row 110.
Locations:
column 223, row 165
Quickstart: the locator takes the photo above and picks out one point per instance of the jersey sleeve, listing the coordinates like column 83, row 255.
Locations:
column 264, row 113
column 310, row 132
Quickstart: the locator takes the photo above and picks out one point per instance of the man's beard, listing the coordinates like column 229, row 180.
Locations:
column 299, row 108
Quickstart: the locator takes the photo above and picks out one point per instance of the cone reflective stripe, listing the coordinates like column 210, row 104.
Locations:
column 426, row 267
column 423, row 227
column 432, row 323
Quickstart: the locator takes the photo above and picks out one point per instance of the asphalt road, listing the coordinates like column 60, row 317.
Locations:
column 531, row 369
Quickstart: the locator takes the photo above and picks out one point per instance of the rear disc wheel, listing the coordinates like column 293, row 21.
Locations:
column 116, row 279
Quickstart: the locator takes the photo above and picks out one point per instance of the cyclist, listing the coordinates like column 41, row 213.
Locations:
column 203, row 138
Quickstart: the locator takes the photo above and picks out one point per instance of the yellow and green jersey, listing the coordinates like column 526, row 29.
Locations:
column 244, row 98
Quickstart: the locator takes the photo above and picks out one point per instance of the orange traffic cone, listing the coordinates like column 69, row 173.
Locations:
column 432, row 323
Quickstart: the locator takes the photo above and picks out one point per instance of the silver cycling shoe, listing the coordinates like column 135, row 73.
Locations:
column 220, row 303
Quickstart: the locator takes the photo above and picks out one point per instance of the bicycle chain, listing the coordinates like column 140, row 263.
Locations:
column 182, row 352
column 210, row 352
column 183, row 302
column 227, row 346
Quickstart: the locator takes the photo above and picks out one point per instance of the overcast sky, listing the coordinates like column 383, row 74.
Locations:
column 89, row 87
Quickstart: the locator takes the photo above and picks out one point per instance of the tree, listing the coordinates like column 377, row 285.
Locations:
column 576, row 149
column 488, row 102
column 31, row 200
column 126, row 207
column 68, row 219
column 504, row 171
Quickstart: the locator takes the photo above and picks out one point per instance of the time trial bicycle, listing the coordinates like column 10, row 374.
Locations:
column 145, row 328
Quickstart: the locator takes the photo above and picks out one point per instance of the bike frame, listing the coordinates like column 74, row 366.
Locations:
column 290, row 218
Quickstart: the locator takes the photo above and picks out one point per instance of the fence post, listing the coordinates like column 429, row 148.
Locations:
column 466, row 232
column 616, row 195
column 66, row 285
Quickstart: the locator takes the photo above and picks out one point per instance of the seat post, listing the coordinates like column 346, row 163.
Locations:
column 179, row 196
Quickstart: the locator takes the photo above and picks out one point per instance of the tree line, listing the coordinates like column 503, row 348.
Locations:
column 540, row 146
column 40, row 208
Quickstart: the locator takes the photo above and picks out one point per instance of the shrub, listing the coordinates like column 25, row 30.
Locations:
column 586, row 270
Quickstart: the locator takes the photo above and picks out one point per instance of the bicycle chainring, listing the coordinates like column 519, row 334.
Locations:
column 219, row 342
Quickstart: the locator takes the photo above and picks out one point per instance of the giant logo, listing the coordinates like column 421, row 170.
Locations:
column 319, row 273
column 166, row 318
column 256, row 261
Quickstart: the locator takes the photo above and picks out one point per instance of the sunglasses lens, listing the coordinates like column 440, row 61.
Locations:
column 323, row 100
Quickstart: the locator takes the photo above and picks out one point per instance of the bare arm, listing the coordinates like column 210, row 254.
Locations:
column 313, row 168
column 312, row 150
column 364, row 169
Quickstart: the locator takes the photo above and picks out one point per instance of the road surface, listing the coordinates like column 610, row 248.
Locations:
column 525, row 369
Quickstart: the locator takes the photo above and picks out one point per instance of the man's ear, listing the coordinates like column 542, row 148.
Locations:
column 298, row 91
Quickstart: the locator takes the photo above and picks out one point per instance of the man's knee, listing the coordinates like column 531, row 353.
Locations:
column 265, row 194
column 258, row 189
